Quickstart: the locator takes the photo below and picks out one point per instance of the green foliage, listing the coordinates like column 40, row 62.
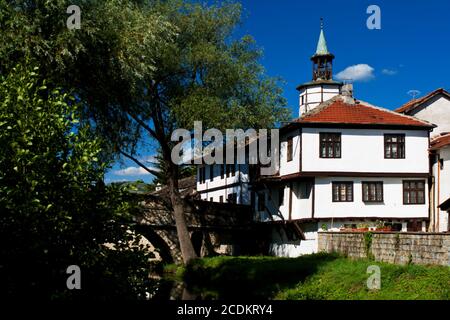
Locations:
column 380, row 224
column 141, row 69
column 318, row 276
column 55, row 209
column 176, row 58
column 106, row 62
column 368, row 237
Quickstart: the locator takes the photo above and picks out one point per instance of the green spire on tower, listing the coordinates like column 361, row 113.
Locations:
column 322, row 44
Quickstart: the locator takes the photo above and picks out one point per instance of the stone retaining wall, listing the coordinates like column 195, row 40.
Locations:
column 392, row 247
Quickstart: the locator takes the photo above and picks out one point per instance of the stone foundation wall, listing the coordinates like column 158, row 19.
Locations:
column 392, row 247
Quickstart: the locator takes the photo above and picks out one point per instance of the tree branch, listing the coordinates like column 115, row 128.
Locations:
column 144, row 125
column 153, row 172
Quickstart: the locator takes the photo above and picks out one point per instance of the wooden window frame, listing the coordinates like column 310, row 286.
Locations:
column 290, row 149
column 376, row 183
column 414, row 190
column 324, row 143
column 346, row 183
column 401, row 145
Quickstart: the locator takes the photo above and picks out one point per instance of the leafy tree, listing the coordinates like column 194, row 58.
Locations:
column 55, row 209
column 145, row 68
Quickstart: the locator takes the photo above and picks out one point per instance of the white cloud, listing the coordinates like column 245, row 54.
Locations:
column 389, row 72
column 357, row 72
column 131, row 171
column 109, row 180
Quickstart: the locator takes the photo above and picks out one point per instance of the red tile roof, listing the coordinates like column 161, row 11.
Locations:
column 439, row 142
column 414, row 103
column 336, row 111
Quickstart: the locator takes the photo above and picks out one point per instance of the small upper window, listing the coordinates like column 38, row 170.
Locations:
column 394, row 146
column 330, row 145
column 290, row 149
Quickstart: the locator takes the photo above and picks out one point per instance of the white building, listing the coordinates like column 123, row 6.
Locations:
column 435, row 108
column 224, row 183
column 344, row 163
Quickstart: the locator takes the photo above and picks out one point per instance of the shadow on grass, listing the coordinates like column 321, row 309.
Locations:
column 249, row 277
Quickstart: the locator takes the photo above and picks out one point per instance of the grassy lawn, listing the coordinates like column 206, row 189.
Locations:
column 318, row 276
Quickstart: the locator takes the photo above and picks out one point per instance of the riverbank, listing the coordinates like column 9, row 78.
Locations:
column 318, row 276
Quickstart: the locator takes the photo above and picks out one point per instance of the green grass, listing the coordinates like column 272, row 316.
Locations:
column 173, row 272
column 318, row 276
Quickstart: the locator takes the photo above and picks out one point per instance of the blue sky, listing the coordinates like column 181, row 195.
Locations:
column 412, row 47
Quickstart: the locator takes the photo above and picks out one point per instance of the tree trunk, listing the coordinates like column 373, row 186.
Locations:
column 187, row 249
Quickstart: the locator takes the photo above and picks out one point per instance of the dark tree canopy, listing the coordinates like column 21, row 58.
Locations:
column 140, row 69
column 55, row 209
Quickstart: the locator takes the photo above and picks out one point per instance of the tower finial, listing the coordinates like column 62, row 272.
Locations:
column 322, row 43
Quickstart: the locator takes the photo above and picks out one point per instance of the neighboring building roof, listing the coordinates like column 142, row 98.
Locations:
column 186, row 187
column 440, row 141
column 413, row 104
column 347, row 111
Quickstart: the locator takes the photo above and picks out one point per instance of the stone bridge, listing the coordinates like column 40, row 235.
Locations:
column 215, row 228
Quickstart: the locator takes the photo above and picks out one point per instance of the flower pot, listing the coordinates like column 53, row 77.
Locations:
column 383, row 229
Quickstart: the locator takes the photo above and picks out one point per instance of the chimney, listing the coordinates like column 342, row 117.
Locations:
column 347, row 93
column 347, row 90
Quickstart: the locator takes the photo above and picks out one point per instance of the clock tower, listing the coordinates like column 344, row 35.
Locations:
column 322, row 87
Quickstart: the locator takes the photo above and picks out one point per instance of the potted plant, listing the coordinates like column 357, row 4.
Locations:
column 362, row 227
column 381, row 227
